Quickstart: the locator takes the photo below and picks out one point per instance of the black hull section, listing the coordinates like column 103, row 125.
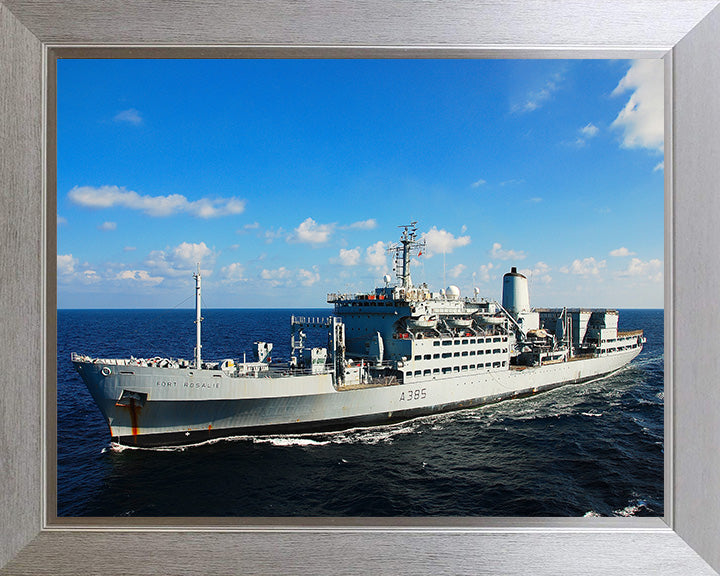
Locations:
column 169, row 439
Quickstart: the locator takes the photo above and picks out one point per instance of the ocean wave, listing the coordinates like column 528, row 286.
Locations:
column 120, row 448
column 369, row 436
column 632, row 509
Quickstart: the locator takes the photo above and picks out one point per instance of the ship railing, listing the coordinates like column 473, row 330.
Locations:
column 334, row 297
column 287, row 371
column 311, row 322
column 75, row 357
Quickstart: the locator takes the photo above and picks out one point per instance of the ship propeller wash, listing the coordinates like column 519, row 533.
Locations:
column 395, row 353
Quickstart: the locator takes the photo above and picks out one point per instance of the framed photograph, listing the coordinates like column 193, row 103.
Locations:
column 309, row 327
column 265, row 545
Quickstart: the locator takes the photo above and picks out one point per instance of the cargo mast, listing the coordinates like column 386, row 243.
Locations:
column 198, row 319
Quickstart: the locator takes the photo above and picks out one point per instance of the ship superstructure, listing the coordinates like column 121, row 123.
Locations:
column 394, row 353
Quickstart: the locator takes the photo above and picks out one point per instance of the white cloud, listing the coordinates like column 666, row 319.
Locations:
column 589, row 130
column 376, row 256
column 660, row 166
column 277, row 276
column 584, row 267
column 620, row 252
column 130, row 248
column 349, row 257
column 139, row 276
column 182, row 260
column 253, row 226
column 651, row 270
column 535, row 200
column 91, row 276
column 478, row 183
column 455, row 271
column 498, row 253
column 484, row 271
column 642, row 118
column 308, row 277
column 131, row 116
column 189, row 254
column 66, row 264
column 537, row 98
column 310, row 232
column 272, row 234
column 69, row 269
column 369, row 224
column 61, row 220
column 107, row 226
column 115, row 196
column 586, row 133
column 234, row 272
column 539, row 273
column 442, row 241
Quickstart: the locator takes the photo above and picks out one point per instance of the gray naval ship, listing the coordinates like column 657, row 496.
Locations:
column 395, row 353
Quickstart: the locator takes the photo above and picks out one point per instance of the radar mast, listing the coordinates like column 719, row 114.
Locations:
column 408, row 247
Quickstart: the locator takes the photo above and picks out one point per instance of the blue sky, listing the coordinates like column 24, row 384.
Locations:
column 288, row 179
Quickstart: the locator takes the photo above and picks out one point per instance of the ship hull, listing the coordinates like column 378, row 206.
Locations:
column 169, row 407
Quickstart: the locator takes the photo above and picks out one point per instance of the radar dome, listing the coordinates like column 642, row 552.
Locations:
column 452, row 292
column 387, row 278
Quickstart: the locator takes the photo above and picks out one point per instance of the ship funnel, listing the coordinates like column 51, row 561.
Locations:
column 516, row 297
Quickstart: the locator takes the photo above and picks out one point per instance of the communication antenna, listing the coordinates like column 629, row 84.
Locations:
column 408, row 247
column 198, row 319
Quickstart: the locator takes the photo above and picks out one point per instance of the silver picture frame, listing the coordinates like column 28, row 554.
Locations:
column 686, row 33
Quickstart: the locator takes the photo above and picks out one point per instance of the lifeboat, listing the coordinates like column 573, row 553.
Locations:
column 421, row 322
column 459, row 322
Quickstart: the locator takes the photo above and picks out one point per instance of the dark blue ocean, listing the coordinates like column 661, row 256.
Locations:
column 592, row 449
